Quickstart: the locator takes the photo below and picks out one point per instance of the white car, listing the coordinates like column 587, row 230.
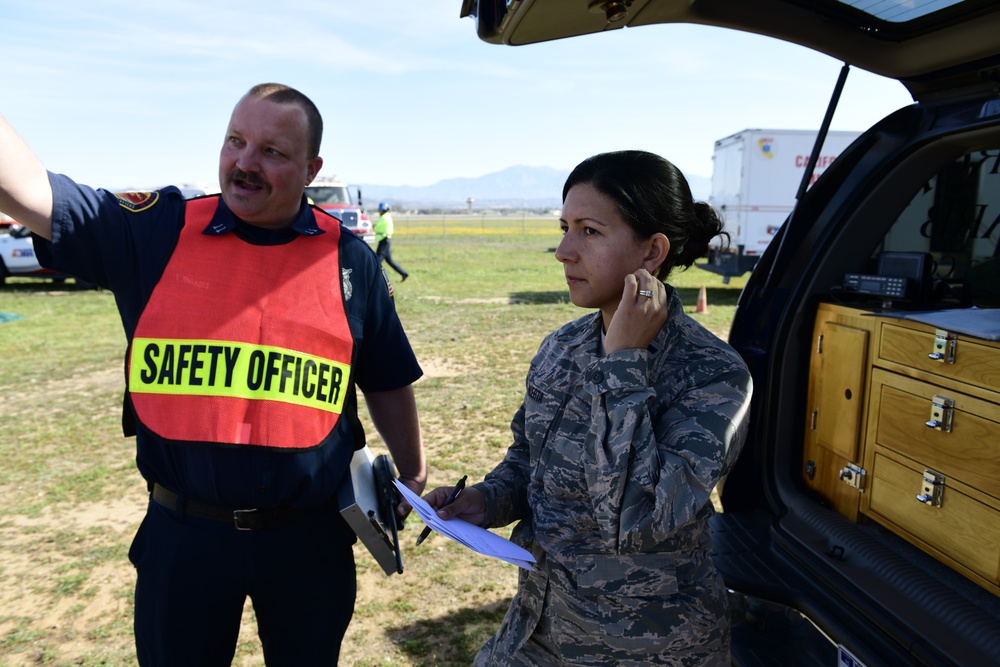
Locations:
column 17, row 256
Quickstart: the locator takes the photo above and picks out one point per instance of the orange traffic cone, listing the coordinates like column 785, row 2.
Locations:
column 702, row 305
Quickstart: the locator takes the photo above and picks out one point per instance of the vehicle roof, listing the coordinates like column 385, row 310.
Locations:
column 931, row 46
column 331, row 181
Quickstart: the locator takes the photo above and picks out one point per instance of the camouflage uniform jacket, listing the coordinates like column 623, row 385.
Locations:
column 610, row 474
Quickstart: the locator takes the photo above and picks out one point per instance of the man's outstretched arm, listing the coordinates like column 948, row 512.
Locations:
column 25, row 192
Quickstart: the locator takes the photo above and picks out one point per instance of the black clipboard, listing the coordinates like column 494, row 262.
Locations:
column 367, row 500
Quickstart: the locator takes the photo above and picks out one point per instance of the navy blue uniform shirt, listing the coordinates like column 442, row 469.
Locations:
column 97, row 239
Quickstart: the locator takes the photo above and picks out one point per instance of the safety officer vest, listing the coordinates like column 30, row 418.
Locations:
column 243, row 344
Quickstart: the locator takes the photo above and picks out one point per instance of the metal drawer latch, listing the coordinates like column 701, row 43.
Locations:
column 944, row 346
column 932, row 490
column 854, row 475
column 942, row 410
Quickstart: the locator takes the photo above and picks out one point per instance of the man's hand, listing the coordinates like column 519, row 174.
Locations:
column 394, row 414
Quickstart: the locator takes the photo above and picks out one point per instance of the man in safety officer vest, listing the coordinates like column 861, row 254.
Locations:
column 250, row 320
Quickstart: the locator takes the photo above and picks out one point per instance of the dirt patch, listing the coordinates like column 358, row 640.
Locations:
column 58, row 394
column 63, row 578
column 441, row 368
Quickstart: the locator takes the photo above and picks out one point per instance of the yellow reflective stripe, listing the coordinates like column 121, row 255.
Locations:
column 238, row 370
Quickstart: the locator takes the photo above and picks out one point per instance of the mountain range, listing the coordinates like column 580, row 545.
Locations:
column 517, row 187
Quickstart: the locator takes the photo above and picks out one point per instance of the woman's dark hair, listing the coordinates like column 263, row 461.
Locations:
column 652, row 196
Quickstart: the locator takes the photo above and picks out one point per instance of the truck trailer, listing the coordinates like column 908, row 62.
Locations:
column 755, row 177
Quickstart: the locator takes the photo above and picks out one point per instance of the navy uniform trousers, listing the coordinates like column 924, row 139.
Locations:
column 195, row 574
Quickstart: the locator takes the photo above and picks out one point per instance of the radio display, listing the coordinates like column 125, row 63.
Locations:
column 870, row 286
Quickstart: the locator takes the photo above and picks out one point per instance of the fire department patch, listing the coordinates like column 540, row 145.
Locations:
column 137, row 201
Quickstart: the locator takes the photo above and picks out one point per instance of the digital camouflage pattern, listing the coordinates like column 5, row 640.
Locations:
column 610, row 474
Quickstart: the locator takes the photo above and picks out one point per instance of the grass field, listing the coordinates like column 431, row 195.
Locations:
column 482, row 294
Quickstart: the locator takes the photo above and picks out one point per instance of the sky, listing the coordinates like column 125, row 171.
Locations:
column 123, row 94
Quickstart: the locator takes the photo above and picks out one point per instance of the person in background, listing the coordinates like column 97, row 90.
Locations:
column 240, row 381
column 383, row 237
column 633, row 414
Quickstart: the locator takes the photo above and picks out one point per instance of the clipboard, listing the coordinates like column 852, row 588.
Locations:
column 367, row 501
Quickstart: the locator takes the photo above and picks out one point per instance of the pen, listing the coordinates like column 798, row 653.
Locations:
column 451, row 498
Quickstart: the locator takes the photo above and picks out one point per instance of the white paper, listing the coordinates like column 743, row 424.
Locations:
column 470, row 535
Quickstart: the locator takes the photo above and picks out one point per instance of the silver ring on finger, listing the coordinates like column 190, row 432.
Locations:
column 648, row 293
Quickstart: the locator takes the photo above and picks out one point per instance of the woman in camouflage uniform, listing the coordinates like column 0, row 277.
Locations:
column 632, row 416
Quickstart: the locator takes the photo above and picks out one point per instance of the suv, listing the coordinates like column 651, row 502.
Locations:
column 861, row 525
column 17, row 256
column 334, row 196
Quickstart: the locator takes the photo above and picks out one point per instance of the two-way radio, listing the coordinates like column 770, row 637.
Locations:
column 367, row 498
column 903, row 276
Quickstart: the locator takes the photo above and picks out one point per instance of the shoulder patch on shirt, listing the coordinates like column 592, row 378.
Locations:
column 137, row 201
column 388, row 283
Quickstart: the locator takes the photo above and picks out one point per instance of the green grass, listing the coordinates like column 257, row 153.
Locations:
column 481, row 296
column 63, row 331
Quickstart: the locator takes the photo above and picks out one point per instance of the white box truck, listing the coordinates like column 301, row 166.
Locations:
column 755, row 175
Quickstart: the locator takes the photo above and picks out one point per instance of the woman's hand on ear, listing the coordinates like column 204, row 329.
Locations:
column 641, row 313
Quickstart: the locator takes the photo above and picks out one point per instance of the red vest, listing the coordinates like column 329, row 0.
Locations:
column 243, row 344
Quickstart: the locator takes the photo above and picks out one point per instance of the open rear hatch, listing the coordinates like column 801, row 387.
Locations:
column 829, row 577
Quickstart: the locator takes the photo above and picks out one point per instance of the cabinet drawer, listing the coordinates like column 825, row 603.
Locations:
column 974, row 362
column 969, row 452
column 964, row 530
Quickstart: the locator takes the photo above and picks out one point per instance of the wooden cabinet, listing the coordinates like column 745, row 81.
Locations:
column 932, row 444
column 835, row 420
column 903, row 428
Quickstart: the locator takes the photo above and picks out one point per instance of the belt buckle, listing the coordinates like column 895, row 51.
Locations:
column 238, row 514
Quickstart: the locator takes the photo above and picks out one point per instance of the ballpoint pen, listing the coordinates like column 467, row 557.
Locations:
column 451, row 498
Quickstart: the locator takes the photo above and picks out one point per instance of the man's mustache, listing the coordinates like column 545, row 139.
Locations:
column 249, row 178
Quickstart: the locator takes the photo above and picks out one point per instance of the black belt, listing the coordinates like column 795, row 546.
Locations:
column 248, row 519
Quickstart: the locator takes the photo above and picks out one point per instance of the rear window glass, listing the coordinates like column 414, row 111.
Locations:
column 326, row 194
column 955, row 218
column 899, row 11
